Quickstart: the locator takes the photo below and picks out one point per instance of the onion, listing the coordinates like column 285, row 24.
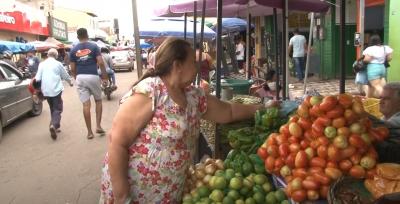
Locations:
column 220, row 164
column 200, row 166
column 207, row 179
column 210, row 169
column 199, row 183
column 209, row 161
column 200, row 174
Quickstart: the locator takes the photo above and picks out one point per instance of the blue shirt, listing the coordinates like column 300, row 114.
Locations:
column 51, row 73
column 84, row 56
column 33, row 64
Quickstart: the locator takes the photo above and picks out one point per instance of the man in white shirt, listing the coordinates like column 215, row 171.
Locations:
column 240, row 55
column 50, row 74
column 298, row 44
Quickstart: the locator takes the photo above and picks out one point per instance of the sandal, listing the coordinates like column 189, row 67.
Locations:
column 90, row 136
column 100, row 131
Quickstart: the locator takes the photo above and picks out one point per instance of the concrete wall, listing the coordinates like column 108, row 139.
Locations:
column 394, row 38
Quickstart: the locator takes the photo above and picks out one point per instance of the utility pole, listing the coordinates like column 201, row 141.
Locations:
column 138, row 50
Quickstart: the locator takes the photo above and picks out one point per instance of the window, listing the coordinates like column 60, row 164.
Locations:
column 10, row 74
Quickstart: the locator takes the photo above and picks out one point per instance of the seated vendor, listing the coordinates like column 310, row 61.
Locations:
column 389, row 150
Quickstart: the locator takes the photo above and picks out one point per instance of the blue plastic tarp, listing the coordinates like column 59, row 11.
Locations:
column 145, row 45
column 172, row 28
column 233, row 25
column 15, row 47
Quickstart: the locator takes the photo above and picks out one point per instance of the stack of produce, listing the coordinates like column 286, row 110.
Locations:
column 249, row 139
column 200, row 174
column 327, row 138
column 237, row 185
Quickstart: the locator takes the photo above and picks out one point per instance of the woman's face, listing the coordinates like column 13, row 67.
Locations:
column 187, row 70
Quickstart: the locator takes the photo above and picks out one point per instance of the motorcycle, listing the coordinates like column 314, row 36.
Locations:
column 108, row 88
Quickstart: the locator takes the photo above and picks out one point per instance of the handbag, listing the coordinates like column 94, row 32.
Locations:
column 386, row 63
column 359, row 65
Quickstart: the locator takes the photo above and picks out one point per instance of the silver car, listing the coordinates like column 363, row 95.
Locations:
column 15, row 98
column 123, row 60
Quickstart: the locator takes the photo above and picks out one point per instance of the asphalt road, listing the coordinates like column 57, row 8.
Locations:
column 36, row 169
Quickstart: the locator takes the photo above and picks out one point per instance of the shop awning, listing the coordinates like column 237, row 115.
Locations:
column 41, row 46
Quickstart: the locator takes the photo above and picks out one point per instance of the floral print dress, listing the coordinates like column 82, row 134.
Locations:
column 161, row 154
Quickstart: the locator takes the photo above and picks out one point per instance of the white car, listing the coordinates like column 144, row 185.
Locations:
column 123, row 60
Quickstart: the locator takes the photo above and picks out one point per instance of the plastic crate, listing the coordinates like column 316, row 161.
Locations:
column 371, row 106
column 239, row 86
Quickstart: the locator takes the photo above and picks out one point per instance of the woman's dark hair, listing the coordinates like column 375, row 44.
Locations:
column 104, row 50
column 171, row 50
column 375, row 40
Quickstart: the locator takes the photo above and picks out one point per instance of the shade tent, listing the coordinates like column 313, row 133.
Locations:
column 15, row 47
column 55, row 42
column 171, row 28
column 43, row 46
column 233, row 25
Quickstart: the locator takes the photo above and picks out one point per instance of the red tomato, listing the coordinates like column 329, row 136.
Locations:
column 358, row 107
column 333, row 153
column 310, row 184
column 323, row 121
column 372, row 153
column 323, row 141
column 302, row 111
column 331, row 164
column 271, row 141
column 262, row 153
column 355, row 159
column 318, row 162
column 336, row 112
column 281, row 139
column 306, row 101
column 284, row 150
column 270, row 163
column 345, row 131
column 304, row 144
column 293, row 139
column 295, row 129
column 308, row 135
column 304, row 123
column 347, row 152
column 345, row 165
column 339, row 122
column 315, row 111
column 356, row 141
column 312, row 170
column 317, row 129
column 333, row 173
column 383, row 131
column 294, row 147
column 284, row 129
column 299, row 195
column 290, row 160
column 323, row 192
column 300, row 172
column 357, row 172
column 301, row 160
column 312, row 195
column 273, row 151
column 314, row 144
column 328, row 103
column 279, row 163
column 322, row 151
column 350, row 116
column 346, row 100
column 370, row 174
column 322, row 178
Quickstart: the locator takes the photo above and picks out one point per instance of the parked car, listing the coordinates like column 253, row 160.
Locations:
column 123, row 60
column 15, row 98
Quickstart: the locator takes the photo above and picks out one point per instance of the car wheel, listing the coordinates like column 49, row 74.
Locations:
column 36, row 109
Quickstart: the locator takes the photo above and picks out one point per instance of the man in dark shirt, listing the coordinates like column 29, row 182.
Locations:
column 85, row 58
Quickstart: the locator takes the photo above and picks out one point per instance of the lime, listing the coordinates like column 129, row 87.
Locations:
column 219, row 183
column 270, row 198
column 219, row 173
column 203, row 191
column 285, row 202
column 259, row 197
column 244, row 191
column 258, row 188
column 240, row 201
column 260, row 179
column 267, row 187
column 247, row 168
column 280, row 195
column 234, row 194
column 187, row 198
column 228, row 200
column 187, row 202
column 217, row 195
column 195, row 196
column 229, row 174
column 206, row 201
column 250, row 201
column 259, row 169
column 248, row 183
column 237, row 174
column 236, row 183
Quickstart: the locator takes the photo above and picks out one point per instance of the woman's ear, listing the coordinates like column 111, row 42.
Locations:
column 177, row 66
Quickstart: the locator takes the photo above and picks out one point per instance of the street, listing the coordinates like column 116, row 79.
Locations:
column 36, row 169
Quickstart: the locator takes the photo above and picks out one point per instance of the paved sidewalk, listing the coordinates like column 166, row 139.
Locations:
column 324, row 87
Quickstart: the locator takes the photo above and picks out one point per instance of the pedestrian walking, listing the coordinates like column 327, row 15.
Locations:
column 33, row 63
column 108, row 63
column 298, row 45
column 50, row 75
column 85, row 57
column 152, row 141
column 240, row 54
column 377, row 56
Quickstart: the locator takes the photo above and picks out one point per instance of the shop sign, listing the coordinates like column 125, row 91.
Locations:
column 59, row 28
column 19, row 17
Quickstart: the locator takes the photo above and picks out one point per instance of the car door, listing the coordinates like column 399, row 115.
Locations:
column 17, row 91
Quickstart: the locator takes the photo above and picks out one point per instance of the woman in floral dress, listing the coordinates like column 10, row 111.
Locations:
column 153, row 136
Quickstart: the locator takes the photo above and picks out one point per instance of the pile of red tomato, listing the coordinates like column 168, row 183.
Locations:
column 328, row 137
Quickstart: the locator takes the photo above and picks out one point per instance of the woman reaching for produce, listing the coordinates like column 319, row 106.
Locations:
column 152, row 139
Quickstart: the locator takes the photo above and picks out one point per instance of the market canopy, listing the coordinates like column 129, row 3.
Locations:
column 232, row 25
column 43, row 46
column 15, row 47
column 171, row 28
column 55, row 42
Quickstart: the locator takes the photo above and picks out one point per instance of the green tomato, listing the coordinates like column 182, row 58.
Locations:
column 330, row 132
column 280, row 195
column 236, row 183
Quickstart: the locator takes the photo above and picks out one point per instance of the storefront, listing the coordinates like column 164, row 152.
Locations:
column 19, row 22
column 58, row 29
